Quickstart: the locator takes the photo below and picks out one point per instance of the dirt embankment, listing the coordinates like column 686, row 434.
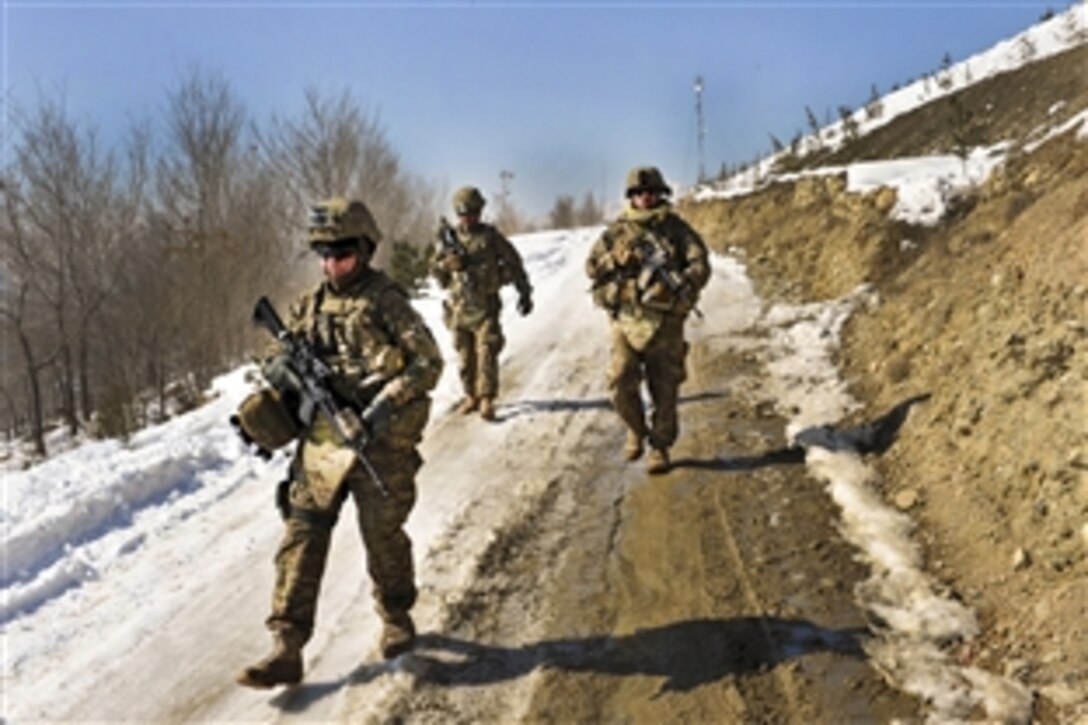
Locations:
column 986, row 311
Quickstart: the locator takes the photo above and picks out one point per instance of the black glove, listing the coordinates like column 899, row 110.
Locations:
column 377, row 414
column 277, row 371
column 687, row 297
column 525, row 304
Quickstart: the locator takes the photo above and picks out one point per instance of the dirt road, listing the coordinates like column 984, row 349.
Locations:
column 718, row 592
column 558, row 582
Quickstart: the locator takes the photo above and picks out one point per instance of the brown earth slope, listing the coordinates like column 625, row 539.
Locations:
column 986, row 311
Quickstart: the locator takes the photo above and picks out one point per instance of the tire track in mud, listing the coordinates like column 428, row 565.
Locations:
column 719, row 592
column 479, row 643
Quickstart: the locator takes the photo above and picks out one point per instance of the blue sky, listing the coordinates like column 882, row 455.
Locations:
column 567, row 96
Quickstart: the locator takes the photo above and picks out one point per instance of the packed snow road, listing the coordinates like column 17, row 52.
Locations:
column 558, row 582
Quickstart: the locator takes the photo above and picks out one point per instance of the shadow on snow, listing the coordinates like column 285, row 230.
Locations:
column 876, row 437
column 685, row 654
column 560, row 405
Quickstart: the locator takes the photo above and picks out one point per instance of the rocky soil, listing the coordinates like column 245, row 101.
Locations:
column 986, row 312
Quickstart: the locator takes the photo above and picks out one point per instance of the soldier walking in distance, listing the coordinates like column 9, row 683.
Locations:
column 473, row 262
column 647, row 270
column 384, row 363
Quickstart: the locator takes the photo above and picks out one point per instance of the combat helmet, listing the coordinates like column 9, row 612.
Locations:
column 338, row 221
column 263, row 419
column 468, row 200
column 647, row 178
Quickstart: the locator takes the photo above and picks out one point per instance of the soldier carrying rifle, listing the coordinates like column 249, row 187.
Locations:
column 473, row 262
column 647, row 270
column 351, row 375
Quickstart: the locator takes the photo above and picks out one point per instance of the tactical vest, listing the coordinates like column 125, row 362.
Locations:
column 474, row 292
column 637, row 298
column 348, row 332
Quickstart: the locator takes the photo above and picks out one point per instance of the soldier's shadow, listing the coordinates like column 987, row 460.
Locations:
column 685, row 655
column 741, row 464
column 872, row 437
column 515, row 408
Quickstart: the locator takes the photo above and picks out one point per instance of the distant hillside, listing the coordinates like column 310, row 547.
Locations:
column 985, row 310
column 1014, row 106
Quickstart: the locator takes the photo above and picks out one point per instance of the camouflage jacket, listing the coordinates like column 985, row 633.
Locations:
column 371, row 337
column 648, row 263
column 490, row 263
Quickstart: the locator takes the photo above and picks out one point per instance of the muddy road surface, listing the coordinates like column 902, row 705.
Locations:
column 718, row 592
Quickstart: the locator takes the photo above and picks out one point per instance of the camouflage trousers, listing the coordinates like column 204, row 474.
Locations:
column 478, row 347
column 302, row 554
column 661, row 365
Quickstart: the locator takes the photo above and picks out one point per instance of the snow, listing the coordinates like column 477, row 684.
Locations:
column 926, row 185
column 108, row 546
column 1063, row 31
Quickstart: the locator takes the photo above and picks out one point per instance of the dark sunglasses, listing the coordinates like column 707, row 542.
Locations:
column 335, row 252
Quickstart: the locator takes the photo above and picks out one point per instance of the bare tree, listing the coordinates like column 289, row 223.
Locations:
column 874, row 108
column 589, row 212
column 18, row 317
column 127, row 273
column 849, row 123
column 23, row 327
column 510, row 219
column 334, row 147
column 196, row 179
column 67, row 189
column 561, row 215
column 319, row 153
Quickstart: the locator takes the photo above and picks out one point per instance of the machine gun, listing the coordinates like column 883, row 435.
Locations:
column 315, row 388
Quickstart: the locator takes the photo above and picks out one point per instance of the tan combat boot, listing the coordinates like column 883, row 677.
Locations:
column 398, row 635
column 632, row 448
column 468, row 405
column 282, row 667
column 487, row 408
column 658, row 461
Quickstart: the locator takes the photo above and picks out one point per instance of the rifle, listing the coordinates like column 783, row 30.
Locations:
column 654, row 261
column 450, row 243
column 448, row 240
column 316, row 391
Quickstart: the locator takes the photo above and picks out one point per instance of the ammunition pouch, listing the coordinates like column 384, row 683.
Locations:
column 313, row 517
column 266, row 418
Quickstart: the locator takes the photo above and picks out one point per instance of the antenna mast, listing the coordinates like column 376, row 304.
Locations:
column 700, row 128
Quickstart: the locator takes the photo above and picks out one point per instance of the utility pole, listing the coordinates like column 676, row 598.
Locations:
column 506, row 218
column 700, row 128
column 504, row 183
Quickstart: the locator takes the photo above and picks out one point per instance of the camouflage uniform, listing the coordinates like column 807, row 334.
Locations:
column 472, row 309
column 367, row 330
column 647, row 315
column 384, row 363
